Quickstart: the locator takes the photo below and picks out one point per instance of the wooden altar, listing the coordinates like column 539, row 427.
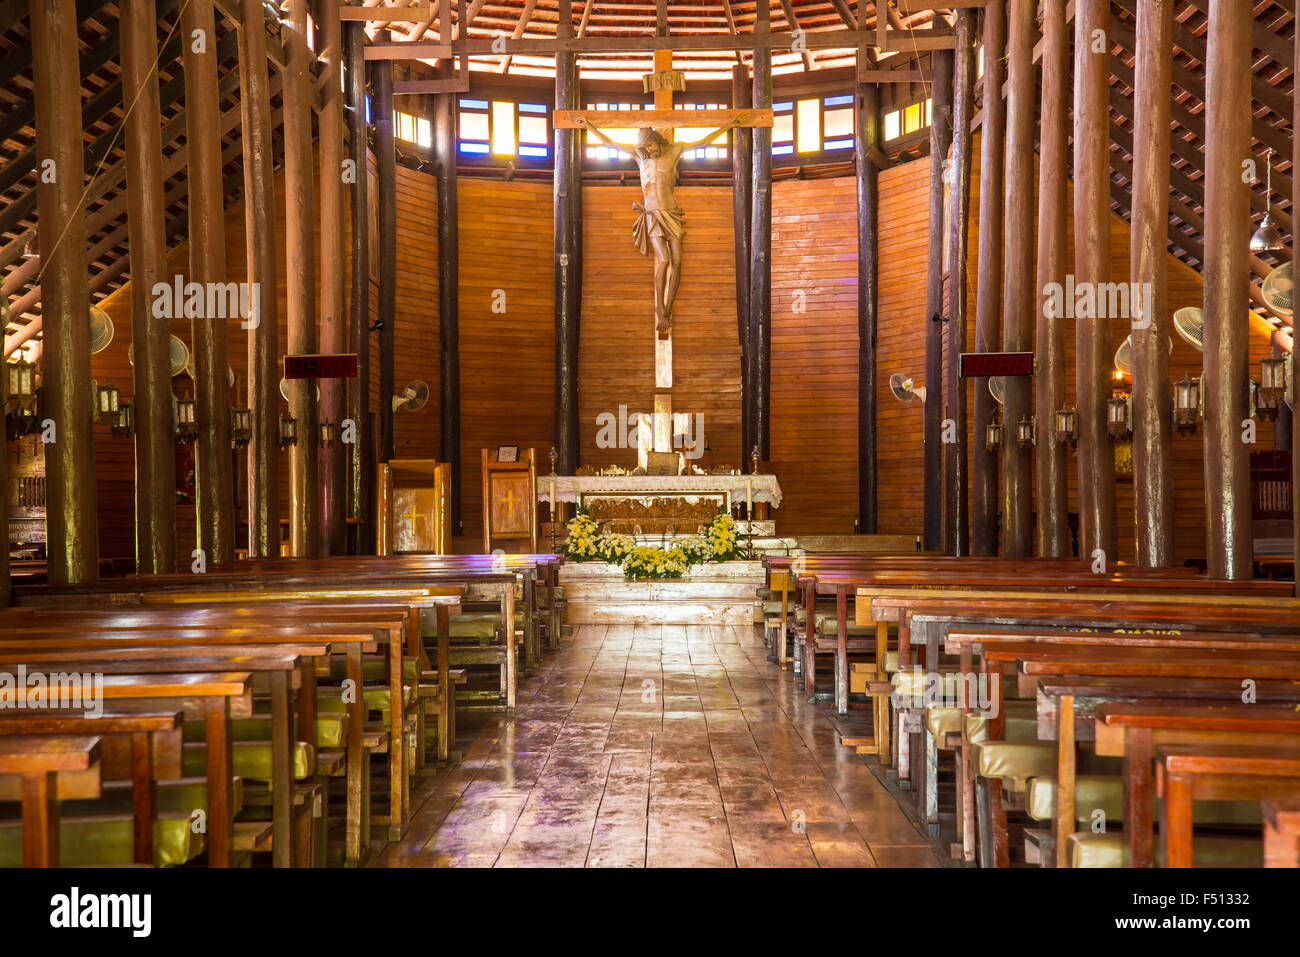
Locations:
column 659, row 504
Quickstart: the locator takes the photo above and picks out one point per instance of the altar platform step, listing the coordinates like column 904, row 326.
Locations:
column 721, row 594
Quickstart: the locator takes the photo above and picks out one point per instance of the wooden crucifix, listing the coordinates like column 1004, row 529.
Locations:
column 660, row 224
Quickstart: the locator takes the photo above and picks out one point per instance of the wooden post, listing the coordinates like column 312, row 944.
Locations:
column 263, row 335
column 1152, row 472
column 1227, row 289
column 300, row 281
column 444, row 144
column 568, row 266
column 932, row 412
column 1295, row 256
column 214, row 467
column 381, row 117
column 70, row 461
column 1094, row 351
column 1049, row 393
column 957, row 510
column 760, row 268
column 1018, row 282
column 741, row 188
column 151, row 406
column 361, row 481
column 867, row 129
column 988, row 283
column 333, row 318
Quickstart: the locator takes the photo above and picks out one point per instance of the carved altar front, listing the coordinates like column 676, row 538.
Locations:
column 658, row 504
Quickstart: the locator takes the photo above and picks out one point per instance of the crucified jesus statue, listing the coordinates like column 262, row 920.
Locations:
column 660, row 224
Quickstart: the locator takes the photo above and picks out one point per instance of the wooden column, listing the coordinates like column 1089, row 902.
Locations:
column 333, row 277
column 300, row 281
column 361, row 478
column 1018, row 282
column 264, row 371
column 1152, row 398
column 932, row 412
column 741, row 208
column 1295, row 257
column 444, row 144
column 1227, row 289
column 69, row 461
column 867, row 129
column 214, row 466
column 1049, row 385
column 381, row 117
column 568, row 267
column 1094, row 352
column 151, row 405
column 760, row 260
column 956, row 531
column 988, row 283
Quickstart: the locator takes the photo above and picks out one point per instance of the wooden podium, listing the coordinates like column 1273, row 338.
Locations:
column 414, row 507
column 510, row 502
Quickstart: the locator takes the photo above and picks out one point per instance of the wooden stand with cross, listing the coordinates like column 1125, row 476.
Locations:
column 665, row 120
column 510, row 502
column 413, row 505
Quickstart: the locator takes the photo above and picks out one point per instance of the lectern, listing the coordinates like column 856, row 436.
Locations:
column 510, row 501
column 414, row 507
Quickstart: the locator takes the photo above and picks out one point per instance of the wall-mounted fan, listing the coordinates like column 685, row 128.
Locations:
column 904, row 389
column 101, row 330
column 998, row 388
column 1189, row 323
column 1124, row 354
column 178, row 358
column 413, row 397
column 1277, row 291
column 284, row 388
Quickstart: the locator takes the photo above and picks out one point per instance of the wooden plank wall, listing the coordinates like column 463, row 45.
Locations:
column 507, row 357
column 617, row 336
column 814, row 404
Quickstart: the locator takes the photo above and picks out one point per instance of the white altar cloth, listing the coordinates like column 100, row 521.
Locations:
column 568, row 488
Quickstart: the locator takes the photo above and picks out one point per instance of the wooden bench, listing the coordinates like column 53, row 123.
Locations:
column 1281, row 830
column 49, row 767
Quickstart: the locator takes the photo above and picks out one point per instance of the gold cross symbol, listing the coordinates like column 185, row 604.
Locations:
column 412, row 515
column 510, row 501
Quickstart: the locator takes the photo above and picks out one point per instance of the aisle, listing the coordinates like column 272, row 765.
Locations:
column 660, row 746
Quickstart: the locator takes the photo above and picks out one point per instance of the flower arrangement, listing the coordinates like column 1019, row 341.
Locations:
column 722, row 537
column 586, row 542
column 584, row 539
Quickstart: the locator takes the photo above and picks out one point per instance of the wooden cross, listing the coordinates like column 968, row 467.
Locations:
column 510, row 501
column 663, row 117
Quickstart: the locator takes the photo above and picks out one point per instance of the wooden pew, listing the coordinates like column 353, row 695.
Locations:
column 1281, row 830
column 1135, row 730
column 43, row 764
column 1185, row 773
column 142, row 732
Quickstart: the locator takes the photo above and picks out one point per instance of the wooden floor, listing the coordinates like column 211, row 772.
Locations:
column 658, row 746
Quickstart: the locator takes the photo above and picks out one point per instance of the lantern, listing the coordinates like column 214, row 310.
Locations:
column 22, row 386
column 327, row 434
column 1272, row 385
column 186, row 424
column 241, row 428
column 107, row 403
column 1119, row 416
column 1067, row 427
column 993, row 435
column 1187, row 404
column 122, row 425
column 288, row 431
column 1026, row 432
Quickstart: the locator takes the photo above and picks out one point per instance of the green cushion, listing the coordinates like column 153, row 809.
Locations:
column 1111, row 850
column 331, row 729
column 829, row 624
column 374, row 697
column 1091, row 791
column 1020, row 723
column 1015, row 762
column 251, row 759
column 108, row 841
column 479, row 625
